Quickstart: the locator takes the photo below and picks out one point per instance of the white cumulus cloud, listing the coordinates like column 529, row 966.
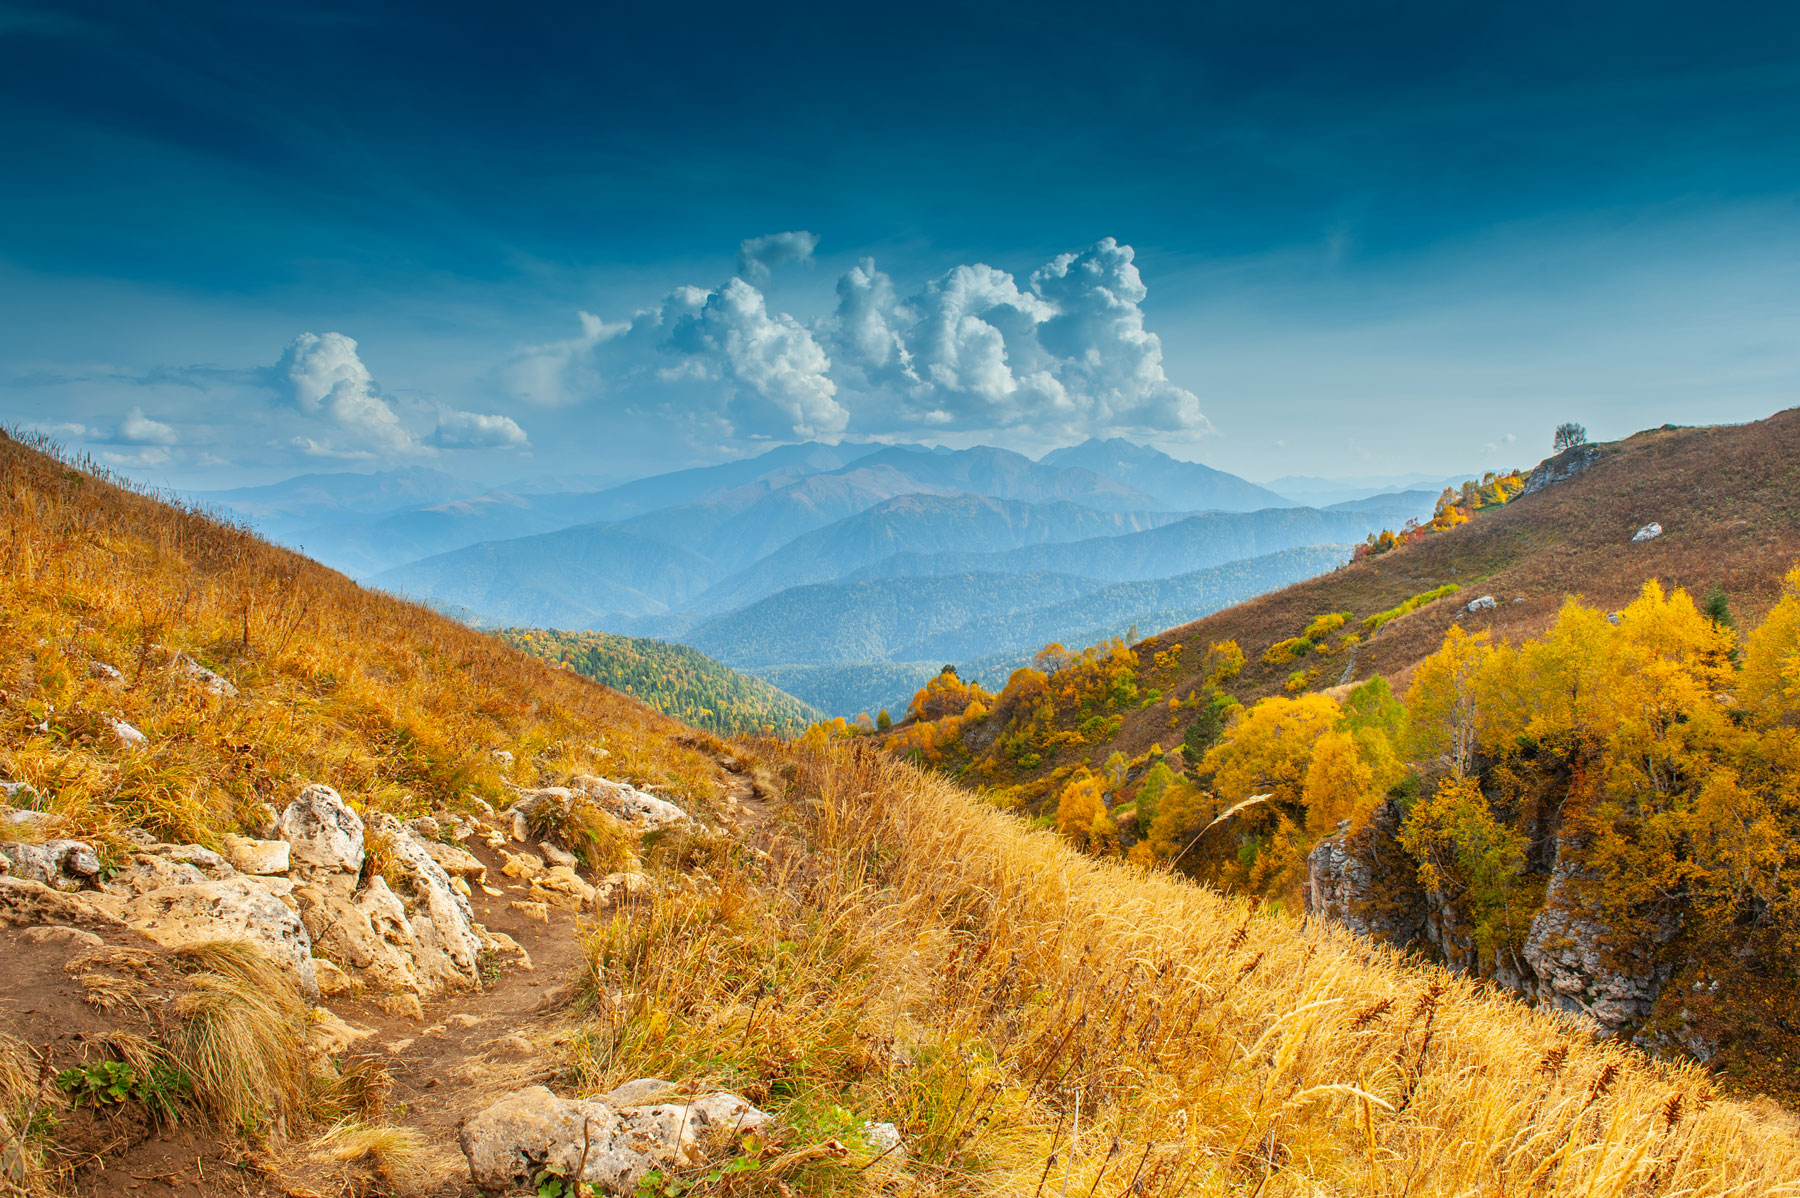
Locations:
column 975, row 350
column 759, row 256
column 327, row 378
column 139, row 429
column 472, row 430
column 1066, row 352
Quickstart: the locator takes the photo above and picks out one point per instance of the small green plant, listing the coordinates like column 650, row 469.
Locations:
column 104, row 1083
column 161, row 1087
column 657, row 1184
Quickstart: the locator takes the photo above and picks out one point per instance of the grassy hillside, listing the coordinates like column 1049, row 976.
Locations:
column 895, row 950
column 1728, row 499
column 1528, row 745
column 674, row 679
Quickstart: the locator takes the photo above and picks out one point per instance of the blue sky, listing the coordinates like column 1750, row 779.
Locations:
column 240, row 241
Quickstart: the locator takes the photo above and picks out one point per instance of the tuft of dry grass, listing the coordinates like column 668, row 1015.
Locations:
column 24, row 1085
column 1037, row 1022
column 242, row 1037
column 399, row 1157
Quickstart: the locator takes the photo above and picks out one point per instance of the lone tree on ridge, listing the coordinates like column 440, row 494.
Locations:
column 1568, row 436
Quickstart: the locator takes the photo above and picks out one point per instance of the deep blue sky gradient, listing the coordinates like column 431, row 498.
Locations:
column 1376, row 237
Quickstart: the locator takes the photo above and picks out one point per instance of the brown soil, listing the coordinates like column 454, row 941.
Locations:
column 467, row 1050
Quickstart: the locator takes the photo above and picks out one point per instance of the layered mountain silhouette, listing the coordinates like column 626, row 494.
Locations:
column 845, row 573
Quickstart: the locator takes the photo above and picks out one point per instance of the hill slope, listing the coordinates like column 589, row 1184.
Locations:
column 674, row 679
column 893, row 950
column 1532, row 745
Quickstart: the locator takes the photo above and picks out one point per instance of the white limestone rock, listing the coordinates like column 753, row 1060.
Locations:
column 325, row 832
column 226, row 909
column 364, row 931
column 532, row 1129
column 265, row 857
column 61, row 864
column 1649, row 532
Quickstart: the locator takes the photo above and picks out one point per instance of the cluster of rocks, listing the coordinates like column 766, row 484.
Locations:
column 379, row 904
column 611, row 1142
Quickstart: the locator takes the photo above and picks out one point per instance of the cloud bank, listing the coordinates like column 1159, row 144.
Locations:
column 1066, row 353
column 324, row 377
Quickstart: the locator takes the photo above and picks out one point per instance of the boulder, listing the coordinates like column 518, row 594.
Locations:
column 562, row 888
column 1649, row 532
column 616, row 888
column 448, row 950
column 325, row 833
column 226, row 909
column 62, row 864
column 557, row 856
column 199, row 856
column 639, row 808
column 455, row 860
column 1484, row 603
column 364, row 931
column 884, row 1138
column 192, row 671
column 24, row 904
column 637, row 1092
column 668, row 1133
column 61, row 934
column 532, row 1131
column 728, row 1113
column 126, row 735
column 249, row 856
column 331, row 1035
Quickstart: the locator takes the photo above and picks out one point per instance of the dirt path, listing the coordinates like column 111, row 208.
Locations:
column 471, row 1047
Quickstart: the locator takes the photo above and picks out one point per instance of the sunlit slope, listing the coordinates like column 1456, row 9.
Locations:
column 397, row 706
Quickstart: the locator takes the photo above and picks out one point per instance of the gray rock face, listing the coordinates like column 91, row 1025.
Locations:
column 448, row 947
column 1365, row 882
column 325, row 833
column 628, row 803
column 24, row 904
column 1562, row 467
column 1577, row 967
column 532, row 1129
column 227, row 909
column 60, row 864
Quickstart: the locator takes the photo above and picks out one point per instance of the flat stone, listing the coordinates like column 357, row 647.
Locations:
column 264, row 857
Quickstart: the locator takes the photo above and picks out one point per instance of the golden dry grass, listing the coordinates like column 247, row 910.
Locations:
column 395, row 706
column 915, row 956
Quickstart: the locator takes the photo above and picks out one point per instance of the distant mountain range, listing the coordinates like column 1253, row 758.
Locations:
column 844, row 574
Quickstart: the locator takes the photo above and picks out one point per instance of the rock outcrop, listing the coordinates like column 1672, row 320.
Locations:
column 1363, row 880
column 532, row 1130
column 1578, row 966
column 1561, row 468
column 225, row 909
column 323, row 831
